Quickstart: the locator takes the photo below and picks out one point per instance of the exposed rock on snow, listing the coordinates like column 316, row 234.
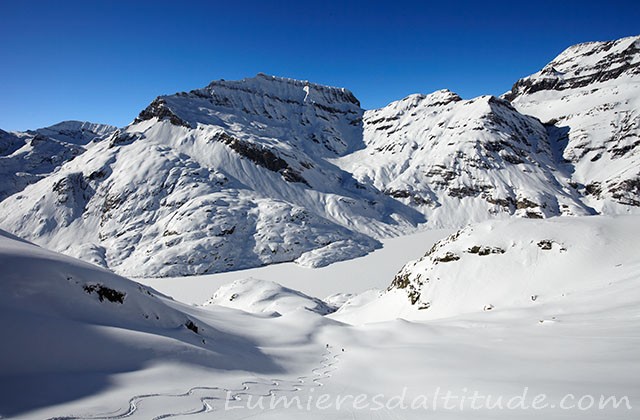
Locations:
column 583, row 65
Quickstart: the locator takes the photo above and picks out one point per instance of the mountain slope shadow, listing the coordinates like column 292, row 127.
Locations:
column 67, row 327
column 54, row 361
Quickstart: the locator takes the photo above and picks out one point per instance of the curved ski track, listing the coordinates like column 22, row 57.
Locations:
column 208, row 396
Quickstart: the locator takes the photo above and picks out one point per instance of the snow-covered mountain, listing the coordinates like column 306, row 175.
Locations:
column 77, row 132
column 515, row 264
column 264, row 170
column 26, row 157
column 589, row 98
column 226, row 177
column 462, row 161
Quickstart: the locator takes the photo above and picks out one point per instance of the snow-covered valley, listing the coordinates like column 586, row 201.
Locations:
column 266, row 248
column 140, row 359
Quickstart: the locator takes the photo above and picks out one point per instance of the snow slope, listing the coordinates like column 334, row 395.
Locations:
column 590, row 96
column 79, row 339
column 64, row 321
column 585, row 347
column 516, row 264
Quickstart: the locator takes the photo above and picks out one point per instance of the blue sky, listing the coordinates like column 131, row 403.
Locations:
column 104, row 61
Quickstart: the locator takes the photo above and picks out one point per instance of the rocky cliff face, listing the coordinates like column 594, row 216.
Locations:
column 589, row 97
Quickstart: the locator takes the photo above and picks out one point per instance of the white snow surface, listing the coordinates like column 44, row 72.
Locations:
column 263, row 296
column 67, row 355
column 516, row 264
column 334, row 284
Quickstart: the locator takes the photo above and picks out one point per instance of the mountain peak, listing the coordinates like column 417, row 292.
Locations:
column 285, row 88
column 259, row 99
column 589, row 97
column 76, row 132
column 585, row 49
column 438, row 98
column 583, row 65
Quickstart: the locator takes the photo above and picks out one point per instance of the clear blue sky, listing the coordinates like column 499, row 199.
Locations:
column 104, row 61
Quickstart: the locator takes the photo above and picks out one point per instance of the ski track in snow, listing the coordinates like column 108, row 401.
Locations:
column 208, row 401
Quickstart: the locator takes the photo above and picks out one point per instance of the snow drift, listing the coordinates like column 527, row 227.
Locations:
column 267, row 297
